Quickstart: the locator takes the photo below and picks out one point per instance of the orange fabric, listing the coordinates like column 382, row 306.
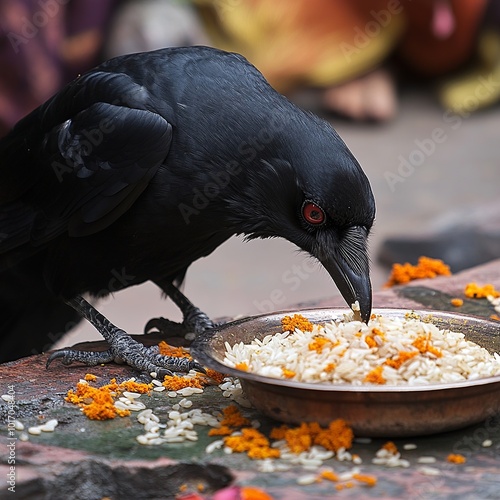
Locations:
column 317, row 42
column 326, row 42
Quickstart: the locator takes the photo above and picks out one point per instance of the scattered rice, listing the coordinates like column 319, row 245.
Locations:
column 409, row 446
column 487, row 443
column 231, row 388
column 344, row 480
column 426, row 460
column 392, row 351
column 389, row 456
column 214, row 445
column 307, row 479
column 19, row 426
column 178, row 428
column 48, row 426
column 429, row 471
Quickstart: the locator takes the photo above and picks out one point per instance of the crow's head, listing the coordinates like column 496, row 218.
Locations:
column 307, row 187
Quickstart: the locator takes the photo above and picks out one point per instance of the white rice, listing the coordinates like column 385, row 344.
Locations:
column 352, row 357
column 48, row 426
column 178, row 428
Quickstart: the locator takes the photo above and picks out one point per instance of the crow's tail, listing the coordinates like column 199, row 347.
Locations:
column 31, row 318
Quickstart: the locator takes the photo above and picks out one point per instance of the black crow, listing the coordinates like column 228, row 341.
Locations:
column 151, row 161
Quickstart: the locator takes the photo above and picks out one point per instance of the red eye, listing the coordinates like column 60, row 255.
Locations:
column 312, row 213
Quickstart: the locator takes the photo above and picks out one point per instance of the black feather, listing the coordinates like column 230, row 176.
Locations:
column 152, row 160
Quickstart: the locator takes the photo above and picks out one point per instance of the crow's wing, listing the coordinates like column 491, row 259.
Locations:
column 80, row 161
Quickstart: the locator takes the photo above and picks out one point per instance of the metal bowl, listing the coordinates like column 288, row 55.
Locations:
column 375, row 411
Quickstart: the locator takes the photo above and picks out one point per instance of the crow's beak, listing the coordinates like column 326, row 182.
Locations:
column 349, row 268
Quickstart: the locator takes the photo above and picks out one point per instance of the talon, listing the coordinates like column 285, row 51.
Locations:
column 62, row 353
column 125, row 348
column 196, row 366
column 88, row 358
column 161, row 373
column 165, row 327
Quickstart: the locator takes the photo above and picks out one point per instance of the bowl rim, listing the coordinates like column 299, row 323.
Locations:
column 199, row 352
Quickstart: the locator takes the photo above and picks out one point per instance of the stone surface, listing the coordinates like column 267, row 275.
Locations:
column 463, row 239
column 86, row 459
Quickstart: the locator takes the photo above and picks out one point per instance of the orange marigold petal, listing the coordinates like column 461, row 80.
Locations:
column 456, row 458
column 475, row 291
column 176, row 383
column 390, row 447
column 375, row 376
column 232, row 417
column 329, row 475
column 289, row 323
column 366, row 479
column 175, row 352
column 425, row 268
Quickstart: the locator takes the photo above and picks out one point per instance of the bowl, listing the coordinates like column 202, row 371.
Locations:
column 375, row 411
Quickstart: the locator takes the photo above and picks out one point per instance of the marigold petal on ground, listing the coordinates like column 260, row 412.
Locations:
column 425, row 268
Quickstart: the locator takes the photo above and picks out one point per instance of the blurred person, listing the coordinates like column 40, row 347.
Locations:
column 43, row 45
column 341, row 47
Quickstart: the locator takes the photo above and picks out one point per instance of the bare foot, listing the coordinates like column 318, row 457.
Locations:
column 371, row 97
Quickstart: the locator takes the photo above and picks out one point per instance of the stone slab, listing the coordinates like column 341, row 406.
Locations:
column 86, row 459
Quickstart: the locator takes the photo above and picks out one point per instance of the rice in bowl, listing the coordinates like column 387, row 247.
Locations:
column 388, row 351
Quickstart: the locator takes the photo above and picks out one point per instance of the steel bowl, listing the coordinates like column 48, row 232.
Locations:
column 375, row 411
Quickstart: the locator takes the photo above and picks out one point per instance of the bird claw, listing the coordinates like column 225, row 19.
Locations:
column 196, row 322
column 126, row 350
column 166, row 327
column 123, row 348
column 68, row 356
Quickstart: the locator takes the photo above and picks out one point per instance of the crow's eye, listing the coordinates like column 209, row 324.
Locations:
column 312, row 213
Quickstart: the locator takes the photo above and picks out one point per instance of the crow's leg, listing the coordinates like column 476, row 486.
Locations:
column 123, row 348
column 194, row 320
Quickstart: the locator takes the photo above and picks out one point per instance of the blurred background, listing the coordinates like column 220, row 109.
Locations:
column 413, row 88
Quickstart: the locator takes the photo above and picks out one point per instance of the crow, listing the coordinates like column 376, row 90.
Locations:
column 149, row 162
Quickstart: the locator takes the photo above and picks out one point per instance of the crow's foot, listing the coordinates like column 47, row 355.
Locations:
column 166, row 327
column 123, row 348
column 194, row 321
column 197, row 323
